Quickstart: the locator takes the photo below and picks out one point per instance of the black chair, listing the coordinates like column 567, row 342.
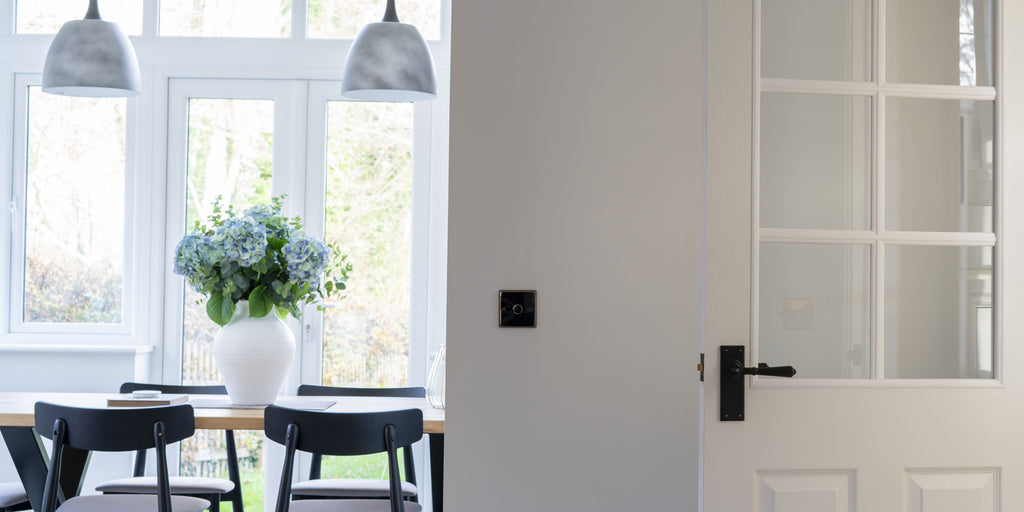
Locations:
column 317, row 487
column 213, row 489
column 13, row 497
column 336, row 433
column 115, row 430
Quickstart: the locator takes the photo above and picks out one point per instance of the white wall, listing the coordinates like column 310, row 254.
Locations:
column 576, row 157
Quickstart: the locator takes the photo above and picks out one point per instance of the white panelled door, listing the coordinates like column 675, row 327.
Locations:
column 856, row 230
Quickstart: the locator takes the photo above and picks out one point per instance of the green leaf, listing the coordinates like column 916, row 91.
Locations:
column 261, row 301
column 218, row 309
column 282, row 313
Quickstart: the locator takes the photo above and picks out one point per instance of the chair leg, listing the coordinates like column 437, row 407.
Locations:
column 214, row 503
column 233, row 472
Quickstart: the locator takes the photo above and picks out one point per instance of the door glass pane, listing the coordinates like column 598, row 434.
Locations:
column 938, row 165
column 815, row 161
column 47, row 16
column 342, row 19
column 938, row 312
column 369, row 215
column 816, row 39
column 74, row 211
column 226, row 18
column 814, row 309
column 230, row 154
column 939, row 42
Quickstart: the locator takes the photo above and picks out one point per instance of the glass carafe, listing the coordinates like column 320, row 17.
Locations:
column 435, row 381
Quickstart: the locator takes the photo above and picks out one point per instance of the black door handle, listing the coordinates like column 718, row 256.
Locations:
column 732, row 384
column 737, row 368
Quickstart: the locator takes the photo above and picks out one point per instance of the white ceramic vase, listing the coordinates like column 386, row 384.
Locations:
column 253, row 356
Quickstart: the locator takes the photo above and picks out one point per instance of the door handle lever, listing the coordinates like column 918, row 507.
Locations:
column 732, row 384
column 737, row 368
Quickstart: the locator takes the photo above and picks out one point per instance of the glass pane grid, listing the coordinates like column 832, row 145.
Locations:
column 947, row 236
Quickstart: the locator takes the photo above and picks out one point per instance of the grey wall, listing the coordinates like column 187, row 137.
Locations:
column 576, row 143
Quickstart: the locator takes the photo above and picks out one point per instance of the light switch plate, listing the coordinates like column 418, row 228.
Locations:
column 517, row 308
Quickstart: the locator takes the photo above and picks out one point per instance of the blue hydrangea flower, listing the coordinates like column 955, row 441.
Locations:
column 259, row 213
column 264, row 215
column 242, row 240
column 194, row 257
column 307, row 258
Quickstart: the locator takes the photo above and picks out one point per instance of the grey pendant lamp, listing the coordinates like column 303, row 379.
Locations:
column 91, row 57
column 389, row 61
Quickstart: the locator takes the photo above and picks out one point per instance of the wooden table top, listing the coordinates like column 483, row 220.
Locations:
column 17, row 409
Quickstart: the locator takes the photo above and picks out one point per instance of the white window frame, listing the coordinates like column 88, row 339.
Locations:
column 15, row 329
column 876, row 236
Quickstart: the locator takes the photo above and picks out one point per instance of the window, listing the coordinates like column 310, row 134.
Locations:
column 47, row 16
column 875, row 179
column 226, row 18
column 69, row 258
column 342, row 19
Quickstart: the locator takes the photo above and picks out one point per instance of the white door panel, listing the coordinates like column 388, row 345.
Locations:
column 857, row 436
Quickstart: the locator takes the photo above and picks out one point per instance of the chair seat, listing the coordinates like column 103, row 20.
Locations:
column 347, row 506
column 11, row 493
column 348, row 487
column 130, row 503
column 179, row 485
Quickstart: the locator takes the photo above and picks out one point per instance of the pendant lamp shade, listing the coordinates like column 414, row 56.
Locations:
column 389, row 61
column 91, row 57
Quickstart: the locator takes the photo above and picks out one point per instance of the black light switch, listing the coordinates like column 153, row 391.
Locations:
column 517, row 308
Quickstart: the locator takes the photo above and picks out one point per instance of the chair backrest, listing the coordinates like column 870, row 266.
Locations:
column 112, row 430
column 407, row 392
column 229, row 435
column 115, row 430
column 312, row 390
column 128, row 387
column 342, row 433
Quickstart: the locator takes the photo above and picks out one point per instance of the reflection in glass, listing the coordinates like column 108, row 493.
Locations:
column 938, row 165
column 814, row 309
column 369, row 216
column 815, row 161
column 342, row 19
column 938, row 312
column 816, row 39
column 47, row 16
column 74, row 211
column 226, row 18
column 948, row 43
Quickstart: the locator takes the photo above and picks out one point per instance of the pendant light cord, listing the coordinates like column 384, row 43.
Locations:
column 94, row 11
column 389, row 15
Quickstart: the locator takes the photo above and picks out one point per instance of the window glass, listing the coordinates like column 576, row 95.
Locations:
column 815, row 161
column 74, row 212
column 369, row 215
column 47, row 16
column 931, row 42
column 938, row 165
column 815, row 308
column 230, row 155
column 342, row 19
column 938, row 312
column 226, row 18
column 816, row 39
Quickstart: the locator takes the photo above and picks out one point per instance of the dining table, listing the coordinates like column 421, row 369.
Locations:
column 17, row 422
